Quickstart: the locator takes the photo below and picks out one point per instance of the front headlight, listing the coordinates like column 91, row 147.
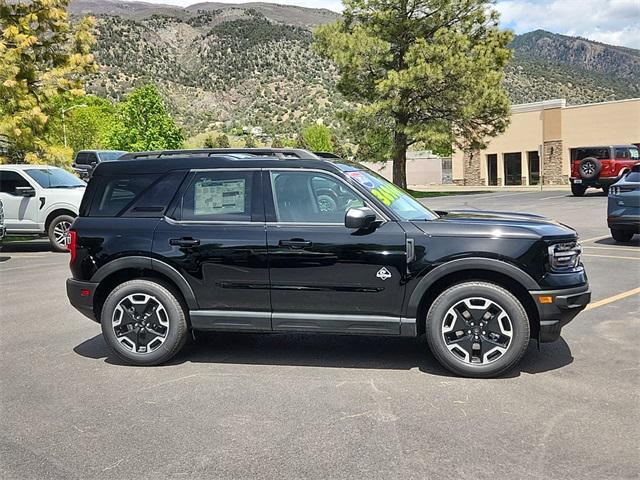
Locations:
column 564, row 256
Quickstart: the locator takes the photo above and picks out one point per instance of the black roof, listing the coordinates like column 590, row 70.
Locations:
column 161, row 162
column 282, row 153
column 628, row 145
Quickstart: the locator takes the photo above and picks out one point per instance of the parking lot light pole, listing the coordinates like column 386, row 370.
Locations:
column 64, row 127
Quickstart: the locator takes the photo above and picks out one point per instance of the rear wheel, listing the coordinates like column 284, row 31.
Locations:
column 621, row 235
column 477, row 329
column 143, row 322
column 578, row 190
column 59, row 232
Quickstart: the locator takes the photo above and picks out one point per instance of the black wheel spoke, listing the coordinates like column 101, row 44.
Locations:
column 139, row 327
column 474, row 327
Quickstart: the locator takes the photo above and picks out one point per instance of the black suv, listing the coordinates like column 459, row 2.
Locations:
column 168, row 242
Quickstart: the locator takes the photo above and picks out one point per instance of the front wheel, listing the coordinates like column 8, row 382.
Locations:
column 622, row 235
column 58, row 232
column 143, row 322
column 477, row 329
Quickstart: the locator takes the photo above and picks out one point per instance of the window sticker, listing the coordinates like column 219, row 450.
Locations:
column 219, row 197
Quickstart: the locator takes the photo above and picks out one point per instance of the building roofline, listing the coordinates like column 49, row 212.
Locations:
column 560, row 103
column 604, row 103
column 538, row 106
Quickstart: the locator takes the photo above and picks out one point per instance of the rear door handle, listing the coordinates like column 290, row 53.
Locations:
column 184, row 242
column 295, row 243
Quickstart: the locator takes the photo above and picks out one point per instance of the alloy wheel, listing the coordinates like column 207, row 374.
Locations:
column 588, row 169
column 61, row 233
column 140, row 323
column 477, row 330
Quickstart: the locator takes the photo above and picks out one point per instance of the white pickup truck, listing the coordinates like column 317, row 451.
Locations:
column 40, row 200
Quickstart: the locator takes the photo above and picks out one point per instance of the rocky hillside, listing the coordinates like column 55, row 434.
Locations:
column 252, row 63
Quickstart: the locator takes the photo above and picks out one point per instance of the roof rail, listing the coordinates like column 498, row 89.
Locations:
column 281, row 153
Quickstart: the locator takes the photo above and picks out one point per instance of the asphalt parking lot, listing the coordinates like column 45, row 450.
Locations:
column 302, row 406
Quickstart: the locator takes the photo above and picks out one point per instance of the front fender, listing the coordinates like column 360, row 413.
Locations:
column 460, row 265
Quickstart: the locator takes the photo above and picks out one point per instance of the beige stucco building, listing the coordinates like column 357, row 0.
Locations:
column 537, row 145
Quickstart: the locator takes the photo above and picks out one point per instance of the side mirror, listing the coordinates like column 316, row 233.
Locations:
column 25, row 191
column 359, row 218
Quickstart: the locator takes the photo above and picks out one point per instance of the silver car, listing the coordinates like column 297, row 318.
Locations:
column 623, row 212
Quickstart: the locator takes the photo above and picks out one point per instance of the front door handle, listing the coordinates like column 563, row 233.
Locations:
column 184, row 242
column 295, row 243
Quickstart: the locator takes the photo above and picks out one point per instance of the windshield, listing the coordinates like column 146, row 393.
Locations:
column 54, row 178
column 108, row 156
column 403, row 204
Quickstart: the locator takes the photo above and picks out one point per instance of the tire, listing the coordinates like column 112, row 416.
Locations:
column 578, row 190
column 168, row 323
column 477, row 299
column 622, row 235
column 589, row 168
column 58, row 232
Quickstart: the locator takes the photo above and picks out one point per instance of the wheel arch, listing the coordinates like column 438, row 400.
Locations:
column 56, row 213
column 498, row 272
column 129, row 268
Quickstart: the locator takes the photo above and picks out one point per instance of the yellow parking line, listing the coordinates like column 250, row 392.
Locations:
column 637, row 250
column 602, row 237
column 614, row 298
column 610, row 256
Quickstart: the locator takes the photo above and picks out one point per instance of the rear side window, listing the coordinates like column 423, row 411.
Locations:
column 599, row 153
column 113, row 194
column 219, row 196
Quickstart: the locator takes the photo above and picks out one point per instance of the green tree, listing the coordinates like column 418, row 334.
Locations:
column 142, row 123
column 250, row 142
column 317, row 138
column 87, row 122
column 420, row 71
column 210, row 142
column 42, row 57
column 223, row 141
column 277, row 143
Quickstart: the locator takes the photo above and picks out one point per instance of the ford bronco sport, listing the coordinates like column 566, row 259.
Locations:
column 172, row 242
column 600, row 167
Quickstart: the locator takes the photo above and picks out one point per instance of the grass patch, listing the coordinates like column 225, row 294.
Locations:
column 421, row 194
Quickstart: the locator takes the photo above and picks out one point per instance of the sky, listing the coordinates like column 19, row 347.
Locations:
column 609, row 21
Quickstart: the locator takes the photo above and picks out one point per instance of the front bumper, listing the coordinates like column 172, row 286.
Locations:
column 80, row 295
column 565, row 305
column 628, row 222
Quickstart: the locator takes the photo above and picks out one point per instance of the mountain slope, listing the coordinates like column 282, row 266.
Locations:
column 252, row 63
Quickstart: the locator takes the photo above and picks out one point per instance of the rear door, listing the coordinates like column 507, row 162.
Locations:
column 215, row 237
column 325, row 277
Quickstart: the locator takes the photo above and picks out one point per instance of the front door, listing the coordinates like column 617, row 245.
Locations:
column 324, row 276
column 216, row 240
column 20, row 213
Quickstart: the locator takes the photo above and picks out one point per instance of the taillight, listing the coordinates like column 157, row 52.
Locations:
column 73, row 245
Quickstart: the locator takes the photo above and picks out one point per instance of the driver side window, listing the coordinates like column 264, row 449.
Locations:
column 311, row 197
column 9, row 181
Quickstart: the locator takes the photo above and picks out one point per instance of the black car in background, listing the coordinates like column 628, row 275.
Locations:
column 86, row 160
column 168, row 242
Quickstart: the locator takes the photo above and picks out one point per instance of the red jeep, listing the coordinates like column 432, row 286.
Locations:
column 600, row 167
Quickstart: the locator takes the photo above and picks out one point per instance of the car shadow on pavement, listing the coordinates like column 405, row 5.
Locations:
column 634, row 242
column 28, row 246
column 333, row 351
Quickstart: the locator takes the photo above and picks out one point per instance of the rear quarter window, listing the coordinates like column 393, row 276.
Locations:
column 112, row 195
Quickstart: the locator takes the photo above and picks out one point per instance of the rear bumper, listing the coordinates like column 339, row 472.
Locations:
column 595, row 182
column 566, row 304
column 80, row 295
